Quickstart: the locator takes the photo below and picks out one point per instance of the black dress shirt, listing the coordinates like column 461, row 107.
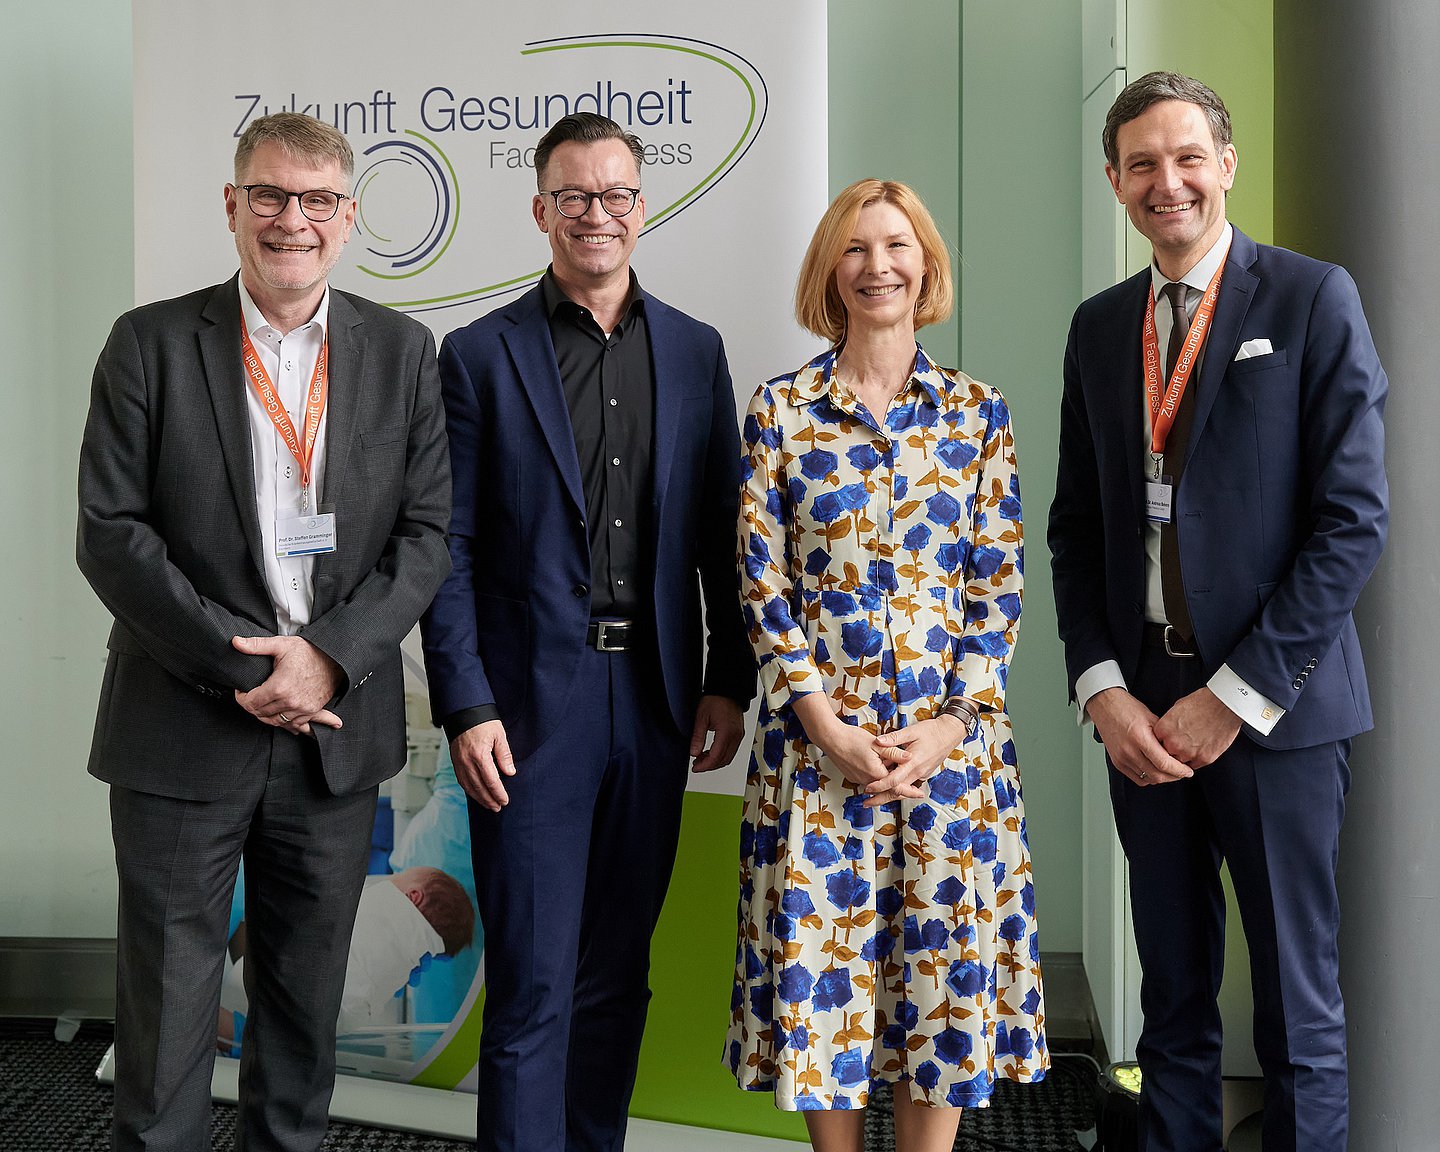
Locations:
column 609, row 384
column 610, row 391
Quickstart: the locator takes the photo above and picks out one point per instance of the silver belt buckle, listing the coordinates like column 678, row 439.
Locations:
column 1169, row 651
column 603, row 629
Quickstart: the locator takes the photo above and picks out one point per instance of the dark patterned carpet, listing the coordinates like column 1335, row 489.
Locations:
column 50, row 1101
column 1051, row 1116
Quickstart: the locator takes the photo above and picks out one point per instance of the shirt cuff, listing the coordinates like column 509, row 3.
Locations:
column 1094, row 680
column 467, row 718
column 1253, row 708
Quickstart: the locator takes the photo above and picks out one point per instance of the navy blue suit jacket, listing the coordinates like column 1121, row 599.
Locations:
column 508, row 626
column 1282, row 506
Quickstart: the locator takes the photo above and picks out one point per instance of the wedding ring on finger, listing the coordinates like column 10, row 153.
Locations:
column 285, row 718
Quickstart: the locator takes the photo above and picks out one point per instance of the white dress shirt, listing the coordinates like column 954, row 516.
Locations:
column 1253, row 708
column 290, row 361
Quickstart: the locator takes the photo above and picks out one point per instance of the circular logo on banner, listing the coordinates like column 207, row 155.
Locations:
column 407, row 203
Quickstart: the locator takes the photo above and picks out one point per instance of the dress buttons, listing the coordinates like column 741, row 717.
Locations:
column 581, row 590
column 619, row 523
column 613, row 402
column 616, row 461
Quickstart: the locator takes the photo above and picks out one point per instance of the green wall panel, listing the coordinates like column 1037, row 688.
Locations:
column 682, row 1079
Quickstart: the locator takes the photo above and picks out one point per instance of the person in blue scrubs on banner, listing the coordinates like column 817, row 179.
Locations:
column 588, row 643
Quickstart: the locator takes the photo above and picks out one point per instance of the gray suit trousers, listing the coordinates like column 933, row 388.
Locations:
column 305, row 853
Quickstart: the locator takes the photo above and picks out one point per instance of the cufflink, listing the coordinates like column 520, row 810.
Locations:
column 1267, row 713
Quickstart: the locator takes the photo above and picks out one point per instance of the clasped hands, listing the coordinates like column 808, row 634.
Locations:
column 1149, row 749
column 888, row 767
column 302, row 681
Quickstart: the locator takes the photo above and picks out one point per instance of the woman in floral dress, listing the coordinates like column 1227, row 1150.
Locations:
column 887, row 916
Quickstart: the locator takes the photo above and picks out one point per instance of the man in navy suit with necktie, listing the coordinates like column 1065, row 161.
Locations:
column 1221, row 501
column 597, row 469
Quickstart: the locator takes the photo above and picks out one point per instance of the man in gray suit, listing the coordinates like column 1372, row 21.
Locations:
column 264, row 490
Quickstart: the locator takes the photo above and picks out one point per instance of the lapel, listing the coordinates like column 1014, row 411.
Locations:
column 1129, row 323
column 533, row 354
column 666, row 338
column 1237, row 290
column 225, row 378
column 345, row 333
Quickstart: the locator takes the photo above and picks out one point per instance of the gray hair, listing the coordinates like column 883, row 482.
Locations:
column 300, row 136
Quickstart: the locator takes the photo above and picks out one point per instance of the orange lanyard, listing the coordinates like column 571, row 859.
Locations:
column 304, row 452
column 1163, row 408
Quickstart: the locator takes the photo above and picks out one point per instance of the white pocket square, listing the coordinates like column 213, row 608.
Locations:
column 1254, row 348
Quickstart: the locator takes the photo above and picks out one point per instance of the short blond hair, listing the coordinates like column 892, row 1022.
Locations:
column 817, row 301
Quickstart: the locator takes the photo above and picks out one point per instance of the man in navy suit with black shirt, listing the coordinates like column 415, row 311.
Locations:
column 596, row 454
column 1221, row 501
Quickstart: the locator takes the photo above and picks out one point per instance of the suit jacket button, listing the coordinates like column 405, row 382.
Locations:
column 1298, row 684
column 581, row 591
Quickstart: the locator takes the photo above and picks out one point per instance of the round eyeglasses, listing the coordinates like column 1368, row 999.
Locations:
column 573, row 203
column 318, row 204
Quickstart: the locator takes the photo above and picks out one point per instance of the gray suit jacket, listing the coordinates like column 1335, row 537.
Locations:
column 169, row 538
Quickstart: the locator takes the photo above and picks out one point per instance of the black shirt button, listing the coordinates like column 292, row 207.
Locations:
column 581, row 590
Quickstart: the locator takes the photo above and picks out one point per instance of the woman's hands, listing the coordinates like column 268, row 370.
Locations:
column 889, row 767
column 914, row 753
column 848, row 746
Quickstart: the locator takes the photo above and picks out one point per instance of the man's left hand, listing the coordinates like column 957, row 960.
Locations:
column 722, row 716
column 302, row 681
column 1198, row 728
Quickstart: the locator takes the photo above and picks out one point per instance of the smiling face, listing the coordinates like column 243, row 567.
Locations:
column 591, row 252
column 1172, row 181
column 880, row 271
column 285, row 259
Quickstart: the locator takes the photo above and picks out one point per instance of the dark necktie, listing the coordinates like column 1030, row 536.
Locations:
column 1172, row 587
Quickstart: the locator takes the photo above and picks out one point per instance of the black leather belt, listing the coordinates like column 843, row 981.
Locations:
column 1164, row 636
column 611, row 635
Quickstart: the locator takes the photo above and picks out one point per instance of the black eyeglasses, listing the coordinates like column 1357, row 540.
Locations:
column 573, row 203
column 318, row 204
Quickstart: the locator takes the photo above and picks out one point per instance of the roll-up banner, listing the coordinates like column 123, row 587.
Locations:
column 443, row 102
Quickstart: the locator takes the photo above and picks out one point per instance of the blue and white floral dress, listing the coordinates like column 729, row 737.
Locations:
column 882, row 564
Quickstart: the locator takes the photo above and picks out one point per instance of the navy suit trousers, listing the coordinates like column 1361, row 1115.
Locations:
column 570, row 878
column 1275, row 817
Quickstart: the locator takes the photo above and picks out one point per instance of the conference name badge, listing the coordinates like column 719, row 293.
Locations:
column 1158, row 497
column 304, row 535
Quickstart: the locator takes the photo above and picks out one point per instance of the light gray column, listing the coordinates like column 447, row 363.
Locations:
column 1357, row 181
